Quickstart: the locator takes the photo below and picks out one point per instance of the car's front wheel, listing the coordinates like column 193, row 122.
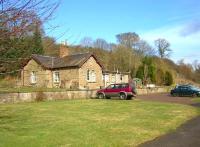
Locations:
column 100, row 96
column 174, row 94
column 123, row 96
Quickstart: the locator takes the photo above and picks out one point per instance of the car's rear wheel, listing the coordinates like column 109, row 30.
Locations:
column 100, row 96
column 122, row 96
column 107, row 97
column 129, row 97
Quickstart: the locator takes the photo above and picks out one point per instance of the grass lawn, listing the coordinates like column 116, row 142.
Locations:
column 30, row 89
column 88, row 122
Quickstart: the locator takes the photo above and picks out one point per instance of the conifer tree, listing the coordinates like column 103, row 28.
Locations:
column 37, row 41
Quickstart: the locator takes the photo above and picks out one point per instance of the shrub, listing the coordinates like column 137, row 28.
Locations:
column 40, row 96
column 168, row 78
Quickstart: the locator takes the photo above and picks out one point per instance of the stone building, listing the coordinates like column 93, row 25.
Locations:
column 113, row 77
column 77, row 71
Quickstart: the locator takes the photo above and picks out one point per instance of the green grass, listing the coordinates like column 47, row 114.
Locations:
column 31, row 89
column 88, row 122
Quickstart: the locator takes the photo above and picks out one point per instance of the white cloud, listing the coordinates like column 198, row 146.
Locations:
column 191, row 28
column 184, row 47
column 187, row 16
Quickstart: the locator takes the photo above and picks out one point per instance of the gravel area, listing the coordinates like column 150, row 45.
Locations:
column 164, row 97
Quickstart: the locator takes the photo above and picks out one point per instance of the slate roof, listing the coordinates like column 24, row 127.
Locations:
column 71, row 61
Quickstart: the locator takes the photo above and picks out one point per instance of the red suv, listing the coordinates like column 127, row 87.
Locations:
column 124, row 91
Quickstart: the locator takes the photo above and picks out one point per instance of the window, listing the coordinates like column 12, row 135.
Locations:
column 111, row 87
column 106, row 77
column 124, row 85
column 88, row 75
column 113, row 78
column 56, row 77
column 33, row 77
column 117, row 86
column 91, row 76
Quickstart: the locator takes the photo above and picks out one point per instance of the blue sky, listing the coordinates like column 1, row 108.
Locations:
column 178, row 21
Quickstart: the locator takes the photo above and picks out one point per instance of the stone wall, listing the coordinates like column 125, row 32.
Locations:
column 67, row 95
column 73, row 78
column 33, row 96
column 69, row 78
column 91, row 64
column 43, row 77
column 145, row 91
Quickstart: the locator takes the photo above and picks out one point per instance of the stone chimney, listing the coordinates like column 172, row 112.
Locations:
column 64, row 50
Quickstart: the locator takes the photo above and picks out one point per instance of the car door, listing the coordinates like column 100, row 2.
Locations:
column 116, row 90
column 124, row 88
column 181, row 91
column 189, row 91
column 184, row 91
column 109, row 91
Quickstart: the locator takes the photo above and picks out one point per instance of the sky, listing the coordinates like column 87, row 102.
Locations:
column 177, row 21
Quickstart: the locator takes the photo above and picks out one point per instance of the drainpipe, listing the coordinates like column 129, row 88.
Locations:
column 104, row 78
column 52, row 64
column 23, row 77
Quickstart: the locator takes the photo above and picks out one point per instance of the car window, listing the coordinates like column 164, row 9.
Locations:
column 184, row 88
column 124, row 85
column 117, row 86
column 195, row 88
column 111, row 86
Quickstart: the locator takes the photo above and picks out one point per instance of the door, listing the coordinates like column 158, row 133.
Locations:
column 185, row 91
column 106, row 80
column 189, row 91
column 109, row 90
column 112, row 90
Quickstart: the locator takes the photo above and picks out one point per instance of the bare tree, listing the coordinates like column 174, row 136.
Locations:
column 50, row 47
column 101, row 43
column 195, row 64
column 86, row 42
column 143, row 48
column 163, row 47
column 185, row 69
column 197, row 73
column 128, row 39
column 18, row 16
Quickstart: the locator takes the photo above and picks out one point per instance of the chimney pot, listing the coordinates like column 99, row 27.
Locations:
column 64, row 50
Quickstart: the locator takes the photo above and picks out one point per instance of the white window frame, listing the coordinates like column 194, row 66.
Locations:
column 113, row 78
column 33, row 77
column 56, row 76
column 91, row 76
